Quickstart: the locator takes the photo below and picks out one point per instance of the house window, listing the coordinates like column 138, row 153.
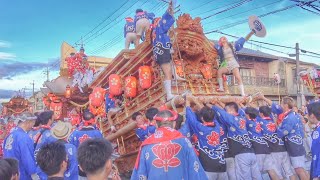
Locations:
column 247, row 73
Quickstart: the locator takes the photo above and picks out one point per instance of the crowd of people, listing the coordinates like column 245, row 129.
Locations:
column 40, row 148
column 234, row 141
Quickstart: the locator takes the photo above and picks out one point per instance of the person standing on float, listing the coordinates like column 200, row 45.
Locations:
column 142, row 23
column 228, row 58
column 162, row 47
column 129, row 32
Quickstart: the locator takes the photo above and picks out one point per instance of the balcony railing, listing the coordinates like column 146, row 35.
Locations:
column 256, row 81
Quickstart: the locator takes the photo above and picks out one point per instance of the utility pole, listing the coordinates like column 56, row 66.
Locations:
column 299, row 95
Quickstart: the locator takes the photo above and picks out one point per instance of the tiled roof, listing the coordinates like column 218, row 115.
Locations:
column 254, row 53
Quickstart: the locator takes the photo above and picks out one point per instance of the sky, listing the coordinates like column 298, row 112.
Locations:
column 31, row 32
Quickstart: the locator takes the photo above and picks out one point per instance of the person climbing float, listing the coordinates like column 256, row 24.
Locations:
column 129, row 32
column 142, row 23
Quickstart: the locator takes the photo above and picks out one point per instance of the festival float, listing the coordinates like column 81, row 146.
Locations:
column 311, row 79
column 16, row 106
column 135, row 76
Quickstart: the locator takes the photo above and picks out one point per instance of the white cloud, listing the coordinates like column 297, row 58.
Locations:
column 4, row 44
column 7, row 56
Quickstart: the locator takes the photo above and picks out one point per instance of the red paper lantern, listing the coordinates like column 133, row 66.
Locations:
column 97, row 96
column 131, row 87
column 115, row 85
column 145, row 77
column 206, row 71
column 56, row 107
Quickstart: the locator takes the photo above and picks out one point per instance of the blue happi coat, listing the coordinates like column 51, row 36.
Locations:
column 160, row 36
column 143, row 15
column 19, row 145
column 169, row 160
column 72, row 172
column 315, row 149
column 129, row 27
column 43, row 136
column 211, row 154
column 269, row 131
column 110, row 103
column 239, row 141
column 259, row 144
column 145, row 133
column 292, row 130
column 79, row 136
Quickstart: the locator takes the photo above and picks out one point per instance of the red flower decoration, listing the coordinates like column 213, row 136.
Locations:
column 242, row 124
column 166, row 152
column 258, row 128
column 83, row 138
column 213, row 139
column 221, row 131
column 271, row 127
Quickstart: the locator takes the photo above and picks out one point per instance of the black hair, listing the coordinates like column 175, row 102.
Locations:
column 251, row 112
column 232, row 105
column 151, row 112
column 265, row 110
column 179, row 121
column 5, row 170
column 93, row 155
column 165, row 114
column 135, row 115
column 87, row 115
column 139, row 10
column 314, row 108
column 44, row 117
column 50, row 157
column 207, row 114
column 14, row 164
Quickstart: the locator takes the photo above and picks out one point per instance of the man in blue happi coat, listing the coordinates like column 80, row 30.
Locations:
column 291, row 129
column 240, row 147
column 208, row 131
column 129, row 32
column 144, row 130
column 142, row 23
column 260, row 145
column 61, row 132
column 20, row 146
column 167, row 154
column 41, row 135
column 276, row 144
column 314, row 118
column 162, row 47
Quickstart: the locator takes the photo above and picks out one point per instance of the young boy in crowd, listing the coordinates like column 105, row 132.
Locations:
column 150, row 113
column 260, row 145
column 208, row 132
column 240, row 147
column 144, row 130
column 94, row 157
column 53, row 160
column 314, row 118
column 276, row 144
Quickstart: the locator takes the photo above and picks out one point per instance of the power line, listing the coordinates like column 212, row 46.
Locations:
column 97, row 34
column 245, row 20
column 243, row 12
column 227, row 9
column 310, row 56
column 204, row 4
column 105, row 19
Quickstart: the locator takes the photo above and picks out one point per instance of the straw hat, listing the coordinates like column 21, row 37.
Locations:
column 61, row 130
